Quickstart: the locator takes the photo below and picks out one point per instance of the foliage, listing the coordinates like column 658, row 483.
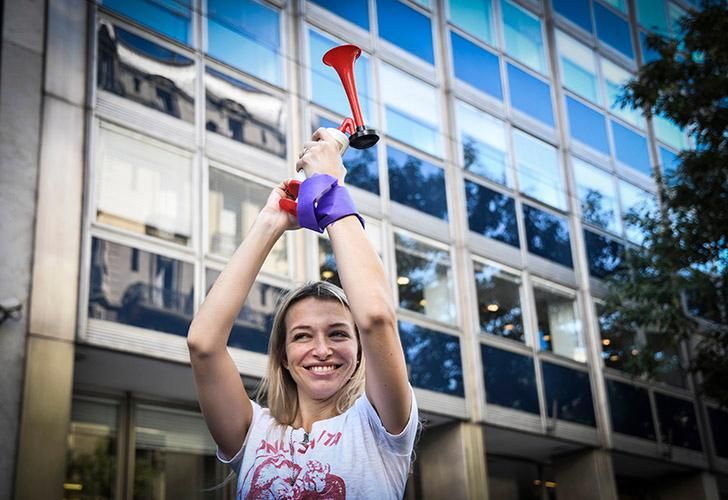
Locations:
column 674, row 286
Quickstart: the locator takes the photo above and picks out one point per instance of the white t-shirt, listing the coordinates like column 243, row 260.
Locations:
column 348, row 456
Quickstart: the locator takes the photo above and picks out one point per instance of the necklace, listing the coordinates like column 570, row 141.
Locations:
column 292, row 479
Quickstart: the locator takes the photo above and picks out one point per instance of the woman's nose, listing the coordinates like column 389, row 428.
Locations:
column 321, row 347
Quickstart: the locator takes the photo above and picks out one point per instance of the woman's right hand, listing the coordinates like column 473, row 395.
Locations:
column 272, row 211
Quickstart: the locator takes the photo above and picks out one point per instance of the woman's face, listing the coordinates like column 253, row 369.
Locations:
column 321, row 346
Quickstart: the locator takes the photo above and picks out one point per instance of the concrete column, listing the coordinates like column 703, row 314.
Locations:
column 697, row 486
column 451, row 462
column 585, row 475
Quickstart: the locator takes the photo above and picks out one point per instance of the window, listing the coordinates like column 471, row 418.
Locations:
column 411, row 109
column 171, row 18
column 614, row 78
column 158, row 296
column 416, row 183
column 356, row 11
column 234, row 204
column 630, row 410
column 559, row 330
column 433, row 359
column 483, row 142
column 634, row 201
column 678, row 424
column 651, row 15
column 326, row 87
column 578, row 68
column 253, row 325
column 327, row 262
column 246, row 35
column 160, row 78
column 143, row 186
column 668, row 132
column 576, row 12
column 473, row 16
column 631, row 148
column 719, row 427
column 539, row 172
column 244, row 113
column 424, row 279
column 568, row 394
column 520, row 393
column 586, row 125
column 471, row 63
column 604, row 255
column 523, row 38
column 514, row 479
column 668, row 160
column 547, row 236
column 613, row 30
column 617, row 345
column 667, row 359
column 597, row 195
column 530, row 95
column 499, row 301
column 406, row 28
column 491, row 214
column 362, row 169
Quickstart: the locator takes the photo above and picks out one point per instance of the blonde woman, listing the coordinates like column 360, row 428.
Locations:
column 341, row 417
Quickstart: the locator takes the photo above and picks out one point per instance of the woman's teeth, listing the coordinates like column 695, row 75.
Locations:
column 322, row 369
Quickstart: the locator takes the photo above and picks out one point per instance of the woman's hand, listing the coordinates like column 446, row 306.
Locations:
column 321, row 156
column 272, row 211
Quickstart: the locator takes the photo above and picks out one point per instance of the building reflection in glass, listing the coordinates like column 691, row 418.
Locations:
column 142, row 71
column 139, row 288
column 499, row 302
column 433, row 359
column 244, row 113
column 568, row 394
column 630, row 410
column 604, row 254
column 520, row 392
column 416, row 183
column 491, row 213
column 252, row 327
column 548, row 236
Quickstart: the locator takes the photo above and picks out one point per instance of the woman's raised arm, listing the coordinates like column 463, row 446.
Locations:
column 362, row 276
column 223, row 400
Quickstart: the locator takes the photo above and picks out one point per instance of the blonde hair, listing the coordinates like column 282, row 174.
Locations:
column 278, row 387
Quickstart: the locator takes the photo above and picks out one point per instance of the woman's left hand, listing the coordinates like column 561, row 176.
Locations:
column 273, row 212
column 321, row 156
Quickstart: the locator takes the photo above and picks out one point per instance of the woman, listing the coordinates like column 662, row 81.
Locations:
column 333, row 428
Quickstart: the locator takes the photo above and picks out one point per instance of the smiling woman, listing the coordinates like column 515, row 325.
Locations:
column 332, row 428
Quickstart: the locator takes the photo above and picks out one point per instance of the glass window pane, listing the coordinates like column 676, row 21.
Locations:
column 597, row 194
column 246, row 35
column 424, row 279
column 523, row 39
column 547, row 235
column 171, row 18
column 362, row 168
column 499, row 301
column 719, row 427
column 499, row 365
column 648, row 54
column 613, row 30
column 91, row 466
column 651, row 15
column 174, row 454
column 473, row 16
column 356, row 11
column 569, row 393
column 491, row 213
column 559, row 330
column 138, row 288
column 576, row 12
column 667, row 359
column 631, row 148
column 620, row 5
column 412, row 110
column 539, row 172
column 637, row 201
column 416, row 183
column 617, row 345
column 433, row 359
column 630, row 410
column 142, row 71
column 406, row 28
column 327, row 262
column 668, row 132
column 578, row 68
column 143, row 186
column 471, row 63
column 674, row 15
column 530, row 95
column 244, row 113
column 234, row 204
column 483, row 140
column 516, row 479
column 326, row 87
column 604, row 255
column 614, row 78
column 586, row 125
column 252, row 327
column 668, row 160
column 678, row 424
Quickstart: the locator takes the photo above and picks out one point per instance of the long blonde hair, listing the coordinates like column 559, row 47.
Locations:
column 278, row 387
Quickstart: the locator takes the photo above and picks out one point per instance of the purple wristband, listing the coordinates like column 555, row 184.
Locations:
column 321, row 201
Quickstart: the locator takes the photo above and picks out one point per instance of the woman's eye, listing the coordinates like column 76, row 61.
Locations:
column 340, row 334
column 299, row 336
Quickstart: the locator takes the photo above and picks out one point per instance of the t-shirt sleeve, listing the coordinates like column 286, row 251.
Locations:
column 236, row 459
column 399, row 444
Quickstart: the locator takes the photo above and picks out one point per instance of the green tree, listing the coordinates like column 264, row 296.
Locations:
column 674, row 286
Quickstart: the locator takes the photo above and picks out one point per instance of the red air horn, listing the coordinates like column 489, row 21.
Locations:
column 342, row 59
